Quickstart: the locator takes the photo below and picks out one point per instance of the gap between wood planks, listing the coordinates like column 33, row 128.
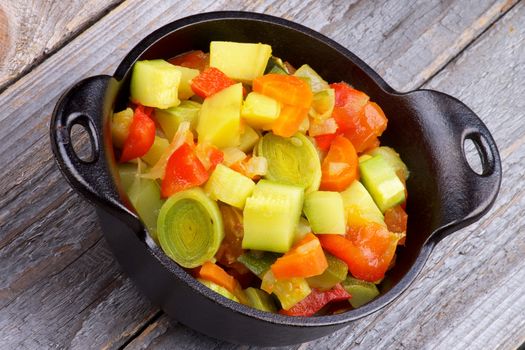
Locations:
column 435, row 73
column 46, row 54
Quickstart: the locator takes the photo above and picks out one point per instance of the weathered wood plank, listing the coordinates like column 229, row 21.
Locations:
column 47, row 232
column 30, row 30
column 101, row 306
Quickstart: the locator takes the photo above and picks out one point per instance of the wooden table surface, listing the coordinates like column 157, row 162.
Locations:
column 60, row 286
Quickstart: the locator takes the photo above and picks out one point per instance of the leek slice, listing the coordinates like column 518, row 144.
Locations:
column 190, row 228
column 291, row 160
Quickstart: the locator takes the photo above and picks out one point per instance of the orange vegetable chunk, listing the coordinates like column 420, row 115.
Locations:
column 340, row 166
column 286, row 89
column 367, row 250
column 305, row 259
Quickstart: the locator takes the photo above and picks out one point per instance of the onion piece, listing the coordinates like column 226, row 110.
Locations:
column 256, row 166
column 322, row 127
column 182, row 135
column 233, row 155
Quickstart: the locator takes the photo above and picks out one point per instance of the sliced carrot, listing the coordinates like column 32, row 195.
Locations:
column 339, row 167
column 212, row 272
column 289, row 120
column 305, row 259
column 286, row 89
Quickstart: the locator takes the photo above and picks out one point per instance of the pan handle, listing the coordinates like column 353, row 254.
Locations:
column 89, row 104
column 475, row 192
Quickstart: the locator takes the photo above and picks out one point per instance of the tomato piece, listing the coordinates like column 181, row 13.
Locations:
column 349, row 98
column 316, row 300
column 372, row 125
column 192, row 59
column 305, row 259
column 367, row 250
column 289, row 120
column 361, row 127
column 360, row 120
column 339, row 167
column 396, row 219
column 184, row 170
column 373, row 143
column 141, row 135
column 324, row 141
column 286, row 89
column 209, row 82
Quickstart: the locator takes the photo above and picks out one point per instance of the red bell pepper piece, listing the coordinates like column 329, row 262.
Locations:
column 367, row 250
column 316, row 300
column 348, row 97
column 141, row 135
column 209, row 82
column 184, row 170
column 192, row 59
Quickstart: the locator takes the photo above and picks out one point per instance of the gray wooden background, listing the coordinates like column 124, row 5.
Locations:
column 60, row 286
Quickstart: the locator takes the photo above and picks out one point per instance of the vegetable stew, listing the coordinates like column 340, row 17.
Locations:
column 265, row 182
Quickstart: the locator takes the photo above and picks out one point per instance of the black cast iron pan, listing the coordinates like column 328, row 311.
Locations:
column 427, row 128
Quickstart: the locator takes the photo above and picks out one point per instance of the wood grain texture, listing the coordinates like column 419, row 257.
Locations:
column 55, row 269
column 31, row 29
